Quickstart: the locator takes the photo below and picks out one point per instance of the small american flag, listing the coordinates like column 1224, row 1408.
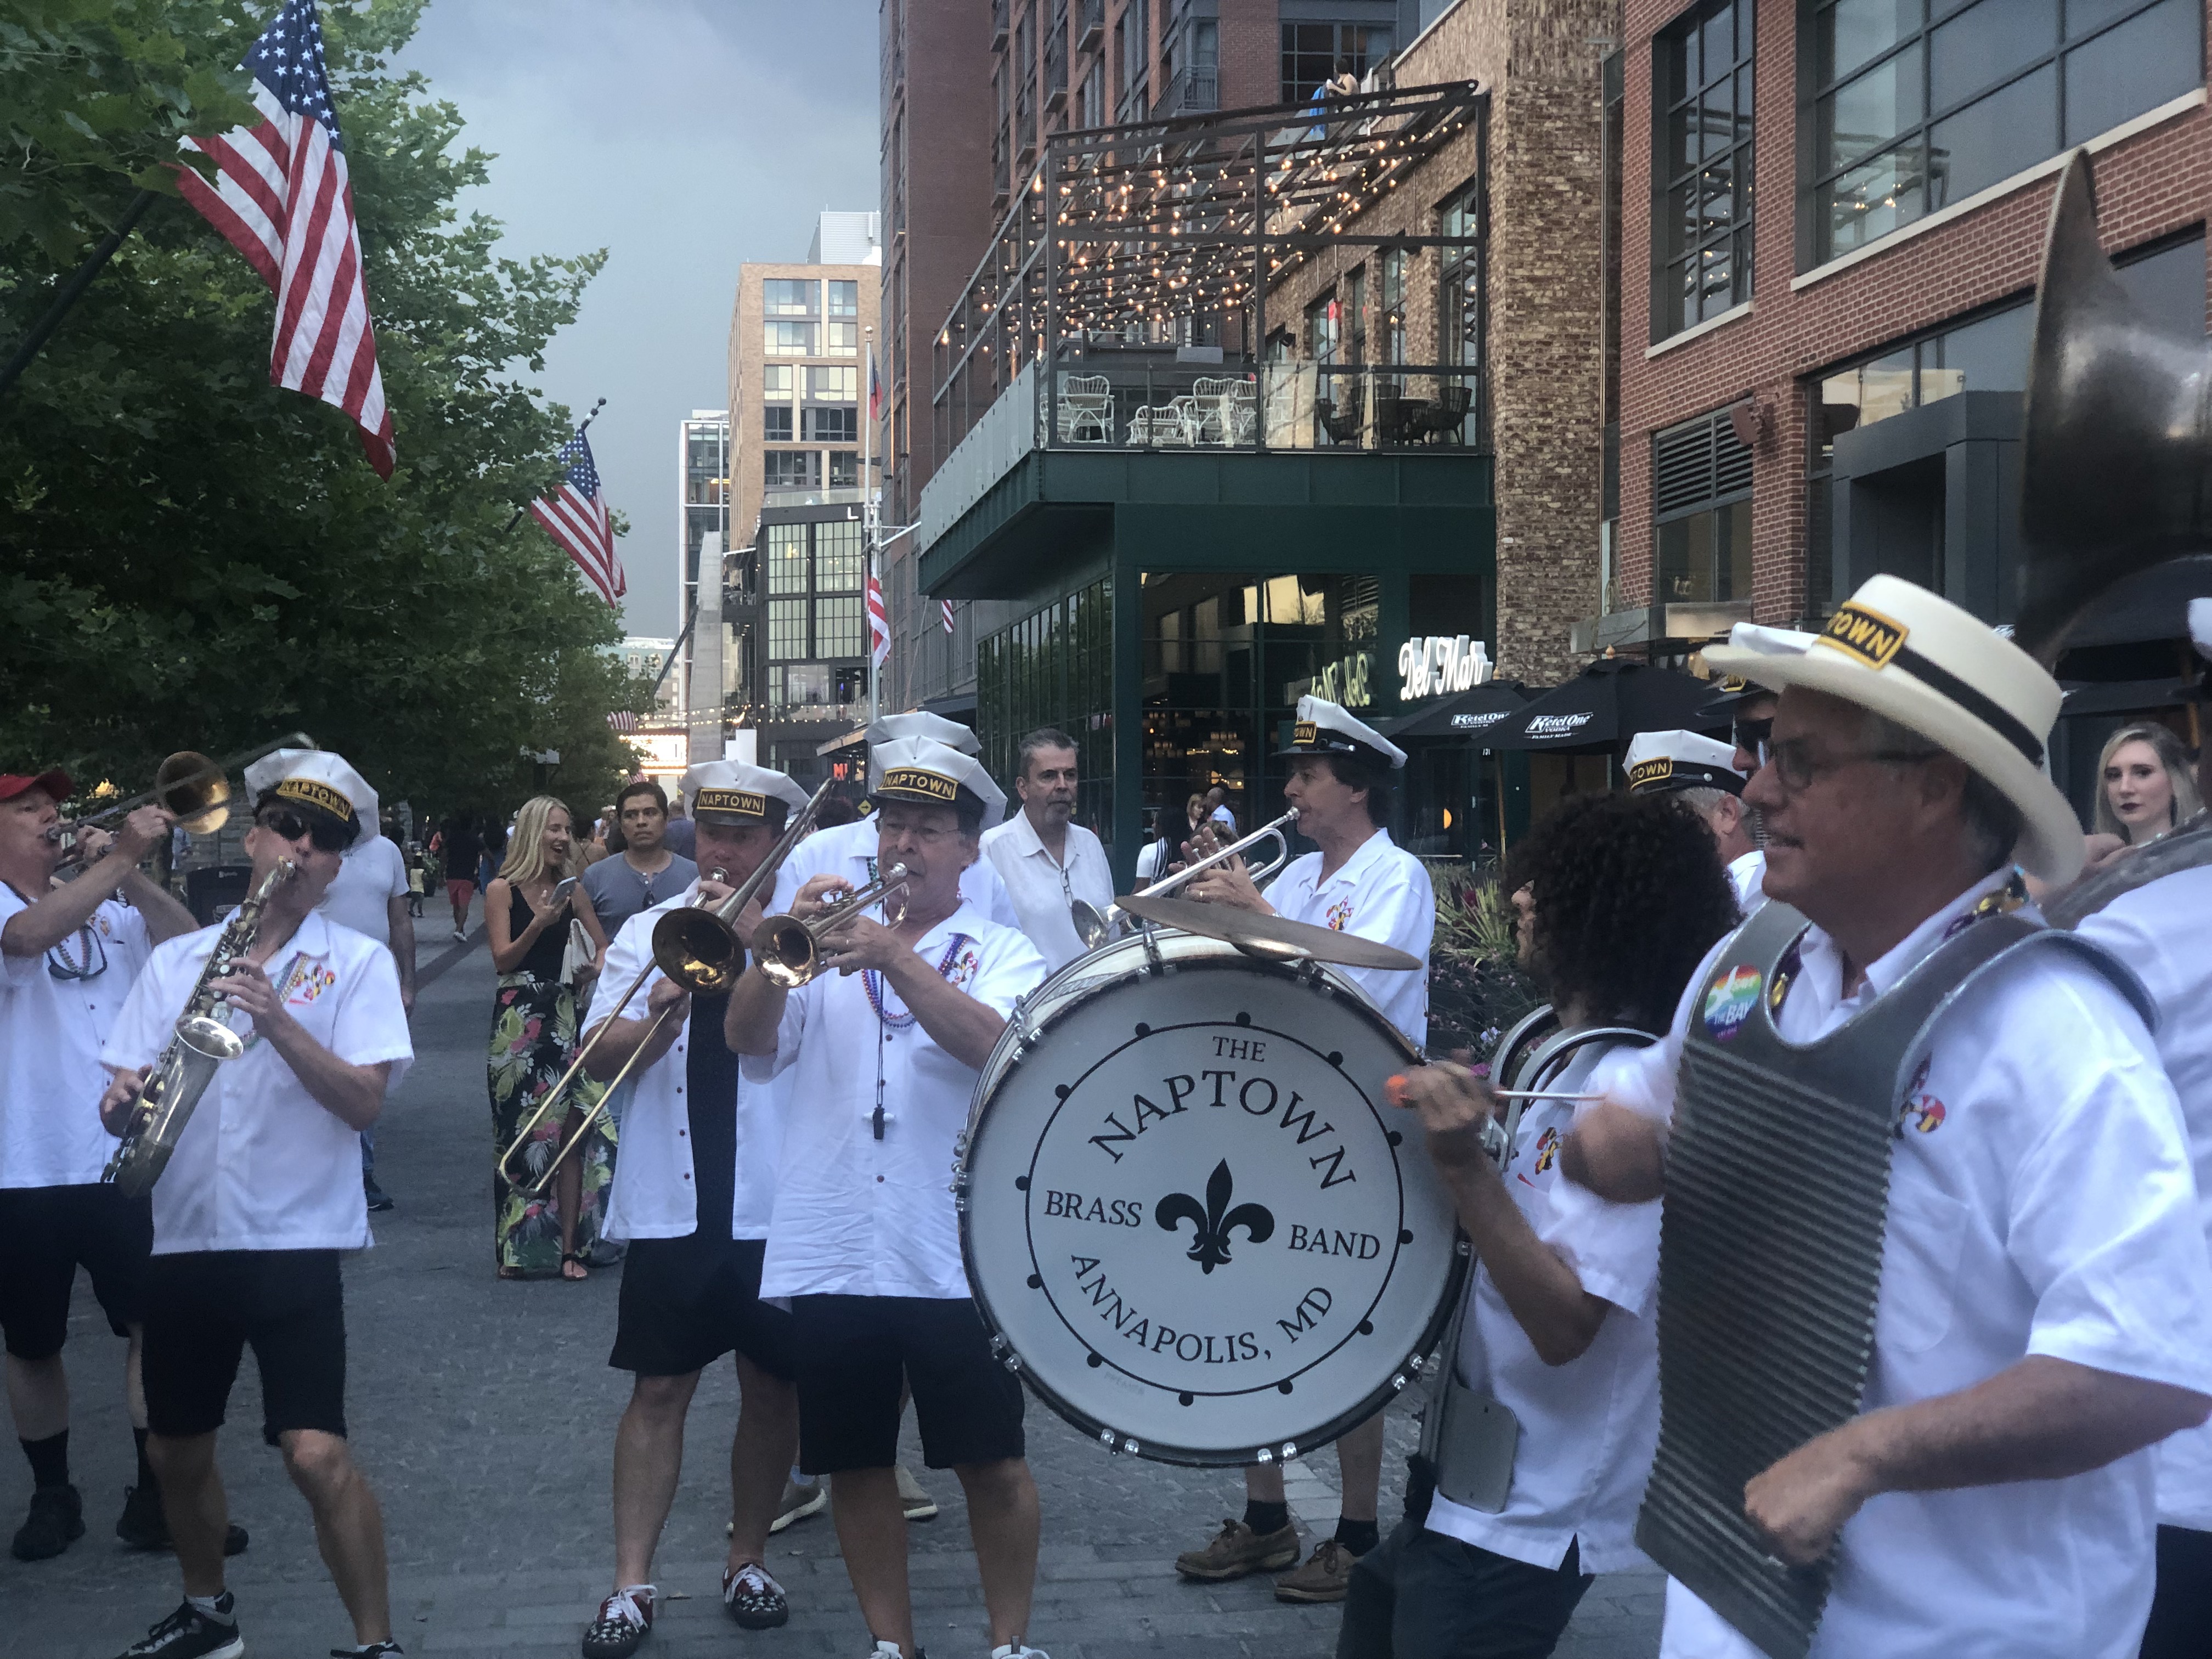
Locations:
column 284, row 199
column 622, row 723
column 879, row 624
column 575, row 515
column 947, row 608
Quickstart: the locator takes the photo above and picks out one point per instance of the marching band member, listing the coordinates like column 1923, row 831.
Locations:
column 1747, row 708
column 69, row 956
column 2043, row 1312
column 884, row 1053
column 1047, row 862
column 262, row 1194
column 693, row 1190
column 2158, row 929
column 1535, row 1457
column 1707, row 776
column 1360, row 882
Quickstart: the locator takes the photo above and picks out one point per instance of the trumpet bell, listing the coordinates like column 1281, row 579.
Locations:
column 698, row 950
column 193, row 790
column 785, row 949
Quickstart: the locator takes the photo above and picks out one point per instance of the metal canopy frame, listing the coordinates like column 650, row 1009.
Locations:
column 1131, row 230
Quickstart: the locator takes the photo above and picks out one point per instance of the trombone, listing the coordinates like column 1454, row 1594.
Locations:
column 187, row 786
column 789, row 951
column 1094, row 930
column 696, row 947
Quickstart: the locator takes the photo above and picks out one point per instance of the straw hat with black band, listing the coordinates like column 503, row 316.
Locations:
column 318, row 783
column 1899, row 651
column 739, row 796
column 925, row 770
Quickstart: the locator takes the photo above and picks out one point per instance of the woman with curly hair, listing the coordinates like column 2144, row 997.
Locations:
column 1557, row 1411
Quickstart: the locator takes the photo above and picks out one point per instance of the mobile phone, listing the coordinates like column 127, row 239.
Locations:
column 562, row 887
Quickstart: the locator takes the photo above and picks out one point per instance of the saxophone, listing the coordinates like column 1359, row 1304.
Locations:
column 204, row 1040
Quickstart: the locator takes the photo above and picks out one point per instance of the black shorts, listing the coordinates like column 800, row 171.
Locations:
column 47, row 1233
column 854, row 1352
column 204, row 1306
column 685, row 1304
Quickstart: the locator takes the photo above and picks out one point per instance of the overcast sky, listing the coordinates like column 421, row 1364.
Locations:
column 684, row 137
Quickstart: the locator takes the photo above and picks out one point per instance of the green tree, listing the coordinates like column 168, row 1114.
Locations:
column 189, row 557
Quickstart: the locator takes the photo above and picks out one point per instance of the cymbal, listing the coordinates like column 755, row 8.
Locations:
column 1269, row 938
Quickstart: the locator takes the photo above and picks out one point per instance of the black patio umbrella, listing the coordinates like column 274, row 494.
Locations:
column 1599, row 710
column 1474, row 713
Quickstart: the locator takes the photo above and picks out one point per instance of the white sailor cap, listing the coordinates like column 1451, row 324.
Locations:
column 1323, row 729
column 737, row 794
column 316, row 779
column 890, row 728
column 923, row 770
column 1659, row 761
column 1732, row 691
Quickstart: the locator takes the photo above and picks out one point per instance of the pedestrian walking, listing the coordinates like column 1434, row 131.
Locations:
column 461, row 846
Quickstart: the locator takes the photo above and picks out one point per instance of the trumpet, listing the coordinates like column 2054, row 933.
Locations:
column 187, row 786
column 695, row 947
column 1094, row 929
column 789, row 951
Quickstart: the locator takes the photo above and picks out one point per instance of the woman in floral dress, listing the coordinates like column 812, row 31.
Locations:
column 533, row 1038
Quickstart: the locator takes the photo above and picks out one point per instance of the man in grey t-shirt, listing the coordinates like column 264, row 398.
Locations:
column 643, row 874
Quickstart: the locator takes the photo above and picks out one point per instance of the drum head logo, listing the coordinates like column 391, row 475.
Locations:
column 1729, row 1001
column 1213, row 1223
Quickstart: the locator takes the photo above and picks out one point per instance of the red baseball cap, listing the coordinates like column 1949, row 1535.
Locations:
column 55, row 783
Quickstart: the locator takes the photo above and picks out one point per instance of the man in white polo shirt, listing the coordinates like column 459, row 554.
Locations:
column 1906, row 1108
column 1359, row 882
column 886, row 1045
column 693, row 1191
column 259, row 1198
column 69, row 956
column 1706, row 775
column 1047, row 862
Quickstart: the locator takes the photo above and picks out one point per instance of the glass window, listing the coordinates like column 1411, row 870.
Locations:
column 775, row 422
column 788, row 296
column 791, row 468
column 1705, row 558
column 807, row 685
column 1915, row 105
column 839, row 629
column 835, row 386
column 775, row 380
column 790, row 339
column 844, row 299
column 1393, row 320
column 1322, row 318
column 786, row 628
column 786, row 558
column 1460, row 307
column 839, row 558
column 832, row 424
column 1702, row 486
column 1702, row 140
column 844, row 469
column 844, row 339
column 1314, row 54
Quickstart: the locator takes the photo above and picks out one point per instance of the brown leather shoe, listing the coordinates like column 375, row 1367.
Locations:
column 1237, row 1550
column 1325, row 1577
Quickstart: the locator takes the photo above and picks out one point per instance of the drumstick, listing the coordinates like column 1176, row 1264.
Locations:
column 1394, row 1089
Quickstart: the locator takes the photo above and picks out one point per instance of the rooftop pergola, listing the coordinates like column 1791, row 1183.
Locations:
column 1121, row 231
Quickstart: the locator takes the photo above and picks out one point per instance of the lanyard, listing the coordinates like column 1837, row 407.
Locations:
column 871, row 983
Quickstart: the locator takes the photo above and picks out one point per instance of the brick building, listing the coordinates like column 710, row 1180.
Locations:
column 1829, row 220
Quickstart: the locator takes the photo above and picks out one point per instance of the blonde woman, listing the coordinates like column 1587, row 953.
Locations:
column 2145, row 784
column 533, row 1038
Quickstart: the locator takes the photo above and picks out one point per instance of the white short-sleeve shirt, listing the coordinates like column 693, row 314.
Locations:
column 370, row 876
column 263, row 1165
column 1043, row 888
column 1747, row 877
column 849, row 850
column 655, row 1194
column 1590, row 1427
column 51, row 1030
column 2163, row 930
column 2040, row 1201
column 856, row 1216
column 1380, row 892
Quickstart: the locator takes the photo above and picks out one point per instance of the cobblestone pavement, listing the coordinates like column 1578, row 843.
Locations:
column 484, row 1414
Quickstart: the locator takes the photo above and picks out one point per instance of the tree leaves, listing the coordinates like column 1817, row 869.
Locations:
column 192, row 558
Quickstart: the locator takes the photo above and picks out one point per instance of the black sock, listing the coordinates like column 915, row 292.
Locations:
column 145, row 1470
column 49, row 1459
column 1264, row 1518
column 1358, row 1536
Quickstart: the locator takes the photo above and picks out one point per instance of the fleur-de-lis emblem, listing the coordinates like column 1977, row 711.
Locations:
column 1209, row 1246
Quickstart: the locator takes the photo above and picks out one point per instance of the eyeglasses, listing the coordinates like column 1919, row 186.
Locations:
column 1799, row 767
column 328, row 835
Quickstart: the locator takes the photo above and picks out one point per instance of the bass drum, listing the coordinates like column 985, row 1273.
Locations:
column 1189, row 1216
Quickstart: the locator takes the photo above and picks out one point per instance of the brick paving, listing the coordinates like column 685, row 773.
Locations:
column 485, row 1412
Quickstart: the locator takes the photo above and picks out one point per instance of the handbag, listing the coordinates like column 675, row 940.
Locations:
column 577, row 953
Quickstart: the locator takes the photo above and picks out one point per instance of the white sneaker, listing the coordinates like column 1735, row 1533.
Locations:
column 1020, row 1650
column 887, row 1650
column 918, row 1504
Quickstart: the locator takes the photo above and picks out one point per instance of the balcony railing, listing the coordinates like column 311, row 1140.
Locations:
column 999, row 9
column 1055, row 66
column 1193, row 92
column 1091, row 23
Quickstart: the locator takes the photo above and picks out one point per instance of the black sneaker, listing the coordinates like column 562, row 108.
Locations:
column 55, row 1521
column 188, row 1634
column 385, row 1649
column 143, row 1526
column 753, row 1599
column 379, row 1200
column 624, row 1620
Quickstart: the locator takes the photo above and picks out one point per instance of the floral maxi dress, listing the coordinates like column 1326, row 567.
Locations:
column 533, row 1039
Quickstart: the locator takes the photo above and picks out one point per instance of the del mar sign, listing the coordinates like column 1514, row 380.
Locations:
column 1430, row 665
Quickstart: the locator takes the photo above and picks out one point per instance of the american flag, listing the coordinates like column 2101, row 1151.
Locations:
column 622, row 723
column 879, row 624
column 575, row 515
column 283, row 199
column 948, row 616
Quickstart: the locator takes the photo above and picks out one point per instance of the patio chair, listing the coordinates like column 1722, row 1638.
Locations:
column 1447, row 413
column 1340, row 421
column 1166, row 425
column 1087, row 409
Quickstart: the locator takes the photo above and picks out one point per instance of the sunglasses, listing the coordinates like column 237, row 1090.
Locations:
column 1754, row 738
column 328, row 835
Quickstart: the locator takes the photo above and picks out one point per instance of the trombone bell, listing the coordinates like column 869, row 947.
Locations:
column 193, row 790
column 698, row 950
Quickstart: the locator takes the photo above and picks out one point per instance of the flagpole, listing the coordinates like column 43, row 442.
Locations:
column 73, row 290
column 524, row 508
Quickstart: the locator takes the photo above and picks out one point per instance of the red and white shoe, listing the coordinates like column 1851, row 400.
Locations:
column 624, row 1619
